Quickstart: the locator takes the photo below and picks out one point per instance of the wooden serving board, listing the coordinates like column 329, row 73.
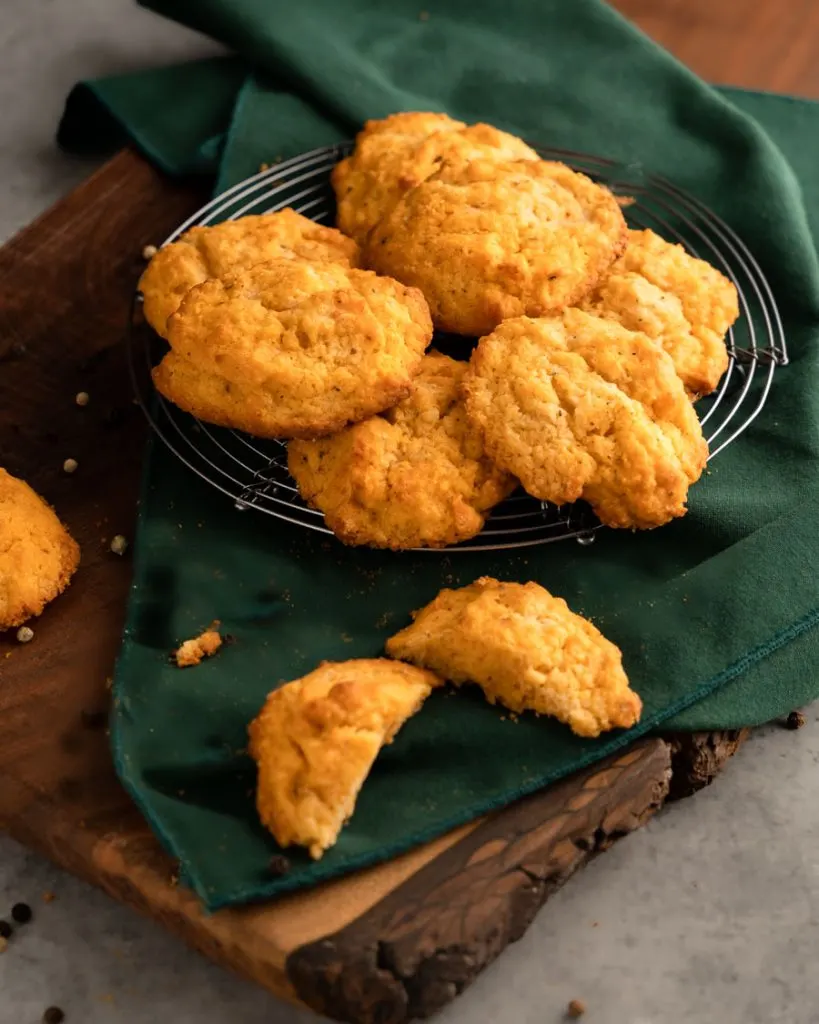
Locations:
column 387, row 944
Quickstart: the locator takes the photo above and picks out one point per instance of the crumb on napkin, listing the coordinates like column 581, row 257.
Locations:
column 191, row 652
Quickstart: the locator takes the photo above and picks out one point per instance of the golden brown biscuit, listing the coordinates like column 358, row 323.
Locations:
column 415, row 476
column 526, row 650
column 235, row 245
column 396, row 154
column 37, row 555
column 316, row 738
column 493, row 240
column 577, row 406
column 291, row 348
column 682, row 302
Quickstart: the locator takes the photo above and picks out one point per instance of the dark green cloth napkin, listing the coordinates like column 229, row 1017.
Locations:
column 715, row 614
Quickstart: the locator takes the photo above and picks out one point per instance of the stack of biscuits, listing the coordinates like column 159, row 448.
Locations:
column 594, row 339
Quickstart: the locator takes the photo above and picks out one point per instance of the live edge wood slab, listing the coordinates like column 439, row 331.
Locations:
column 385, row 945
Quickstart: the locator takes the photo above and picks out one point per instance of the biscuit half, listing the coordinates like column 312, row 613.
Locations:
column 316, row 739
column 526, row 650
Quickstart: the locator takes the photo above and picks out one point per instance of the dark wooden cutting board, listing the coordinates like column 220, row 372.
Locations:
column 372, row 947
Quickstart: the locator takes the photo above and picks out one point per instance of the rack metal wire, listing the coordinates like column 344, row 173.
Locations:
column 253, row 472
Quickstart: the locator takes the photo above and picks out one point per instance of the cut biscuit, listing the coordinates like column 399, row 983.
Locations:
column 576, row 406
column 316, row 739
column 492, row 240
column 414, row 476
column 224, row 249
column 38, row 557
column 526, row 650
column 292, row 348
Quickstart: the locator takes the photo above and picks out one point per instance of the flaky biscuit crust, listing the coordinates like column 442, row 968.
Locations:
column 228, row 248
column 577, row 406
column 493, row 240
column 526, row 650
column 398, row 153
column 678, row 300
column 291, row 348
column 415, row 476
column 38, row 557
column 316, row 738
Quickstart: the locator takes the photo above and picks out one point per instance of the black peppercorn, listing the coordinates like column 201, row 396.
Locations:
column 21, row 913
column 279, row 865
column 5, row 930
column 53, row 1015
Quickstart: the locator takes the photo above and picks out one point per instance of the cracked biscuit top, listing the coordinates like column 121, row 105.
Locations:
column 235, row 245
column 493, row 240
column 395, row 154
column 416, row 475
column 678, row 300
column 576, row 406
column 293, row 348
column 526, row 650
column 316, row 739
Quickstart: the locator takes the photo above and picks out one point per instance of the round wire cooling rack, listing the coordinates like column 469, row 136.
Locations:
column 253, row 472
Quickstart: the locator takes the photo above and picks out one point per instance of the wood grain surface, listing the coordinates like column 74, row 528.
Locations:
column 756, row 44
column 386, row 944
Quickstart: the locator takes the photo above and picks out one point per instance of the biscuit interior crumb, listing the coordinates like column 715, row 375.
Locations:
column 316, row 739
column 191, row 652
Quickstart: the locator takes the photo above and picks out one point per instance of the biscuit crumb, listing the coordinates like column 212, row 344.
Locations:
column 795, row 720
column 82, row 398
column 70, row 466
column 25, row 634
column 119, row 545
column 575, row 1009
column 191, row 652
column 3, row 944
column 264, row 167
column 149, row 252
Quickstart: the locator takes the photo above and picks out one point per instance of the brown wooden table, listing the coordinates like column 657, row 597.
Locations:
column 386, row 944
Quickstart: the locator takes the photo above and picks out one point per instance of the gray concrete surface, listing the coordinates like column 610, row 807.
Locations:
column 709, row 914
